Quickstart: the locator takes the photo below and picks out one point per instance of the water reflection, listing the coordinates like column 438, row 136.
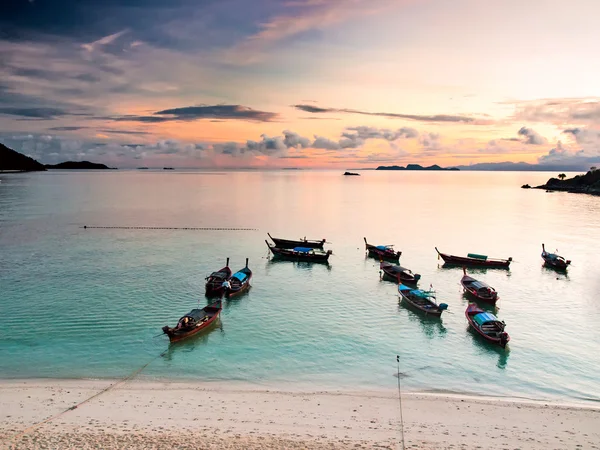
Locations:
column 472, row 269
column 304, row 265
column 433, row 326
column 487, row 347
column 555, row 272
column 483, row 305
column 190, row 344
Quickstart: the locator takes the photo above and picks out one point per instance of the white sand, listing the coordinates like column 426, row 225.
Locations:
column 228, row 416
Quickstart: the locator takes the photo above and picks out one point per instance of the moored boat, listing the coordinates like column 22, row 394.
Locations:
column 239, row 282
column 386, row 252
column 398, row 274
column 424, row 301
column 214, row 282
column 290, row 243
column 478, row 289
column 193, row 322
column 300, row 253
column 554, row 260
column 473, row 259
column 487, row 325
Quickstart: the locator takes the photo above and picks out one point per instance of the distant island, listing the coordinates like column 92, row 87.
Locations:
column 581, row 184
column 142, row 168
column 352, row 173
column 415, row 167
column 77, row 165
column 12, row 161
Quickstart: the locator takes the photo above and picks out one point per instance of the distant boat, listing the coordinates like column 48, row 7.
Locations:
column 553, row 260
column 487, row 325
column 398, row 274
column 193, row 322
column 352, row 173
column 300, row 253
column 288, row 243
column 142, row 168
column 168, row 168
column 382, row 251
column 473, row 259
column 214, row 282
column 424, row 301
column 478, row 289
column 239, row 282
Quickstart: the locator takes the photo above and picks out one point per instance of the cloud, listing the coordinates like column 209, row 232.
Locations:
column 34, row 113
column 103, row 41
column 190, row 113
column 564, row 155
column 531, row 136
column 417, row 117
column 430, row 141
column 66, row 128
column 493, row 148
column 560, row 111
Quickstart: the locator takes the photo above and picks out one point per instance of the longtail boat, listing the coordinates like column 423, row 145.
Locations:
column 398, row 274
column 193, row 322
column 487, row 325
column 423, row 301
column 478, row 289
column 382, row 251
column 300, row 253
column 239, row 282
column 214, row 282
column 554, row 260
column 473, row 259
column 303, row 242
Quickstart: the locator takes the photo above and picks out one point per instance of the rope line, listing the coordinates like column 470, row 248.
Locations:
column 400, row 403
column 171, row 228
column 106, row 389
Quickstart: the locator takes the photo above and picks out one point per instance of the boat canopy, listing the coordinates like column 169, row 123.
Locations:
column 404, row 288
column 479, row 285
column 421, row 294
column 240, row 276
column 219, row 274
column 302, row 249
column 484, row 317
column 476, row 256
column 195, row 314
column 382, row 247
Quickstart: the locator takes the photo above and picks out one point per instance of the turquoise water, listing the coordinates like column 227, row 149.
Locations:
column 90, row 303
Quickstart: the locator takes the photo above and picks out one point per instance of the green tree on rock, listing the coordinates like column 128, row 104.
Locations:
column 562, row 176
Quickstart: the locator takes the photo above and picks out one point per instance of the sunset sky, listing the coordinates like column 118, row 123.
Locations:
column 301, row 83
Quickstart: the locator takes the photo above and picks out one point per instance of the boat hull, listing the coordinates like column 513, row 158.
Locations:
column 434, row 312
column 290, row 243
column 452, row 260
column 470, row 313
column 211, row 314
column 398, row 277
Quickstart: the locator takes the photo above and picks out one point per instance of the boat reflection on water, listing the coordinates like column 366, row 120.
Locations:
column 483, row 305
column 552, row 272
column 432, row 326
column 304, row 265
column 490, row 348
column 193, row 342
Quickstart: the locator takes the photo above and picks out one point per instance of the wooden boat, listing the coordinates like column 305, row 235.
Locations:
column 473, row 259
column 478, row 289
column 398, row 274
column 288, row 243
column 424, row 301
column 300, row 253
column 487, row 325
column 193, row 322
column 214, row 282
column 382, row 251
column 553, row 260
column 239, row 282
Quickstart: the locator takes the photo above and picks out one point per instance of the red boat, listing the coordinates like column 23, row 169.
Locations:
column 193, row 322
column 473, row 259
column 553, row 260
column 487, row 325
column 478, row 289
column 239, row 282
column 214, row 282
column 301, row 253
column 382, row 251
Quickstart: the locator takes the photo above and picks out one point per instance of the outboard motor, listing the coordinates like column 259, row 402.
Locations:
column 166, row 329
column 443, row 306
column 503, row 339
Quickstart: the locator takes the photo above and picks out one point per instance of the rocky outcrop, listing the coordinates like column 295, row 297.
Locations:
column 582, row 184
column 12, row 161
column 78, row 165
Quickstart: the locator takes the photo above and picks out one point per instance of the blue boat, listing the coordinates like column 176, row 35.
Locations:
column 422, row 300
column 300, row 253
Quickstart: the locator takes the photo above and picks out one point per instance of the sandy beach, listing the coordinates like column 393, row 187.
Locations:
column 140, row 414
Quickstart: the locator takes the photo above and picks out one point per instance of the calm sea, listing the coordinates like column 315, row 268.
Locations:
column 80, row 302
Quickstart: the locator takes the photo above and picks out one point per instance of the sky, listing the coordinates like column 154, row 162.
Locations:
column 301, row 83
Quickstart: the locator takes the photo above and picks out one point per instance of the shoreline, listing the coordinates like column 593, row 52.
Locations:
column 155, row 414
